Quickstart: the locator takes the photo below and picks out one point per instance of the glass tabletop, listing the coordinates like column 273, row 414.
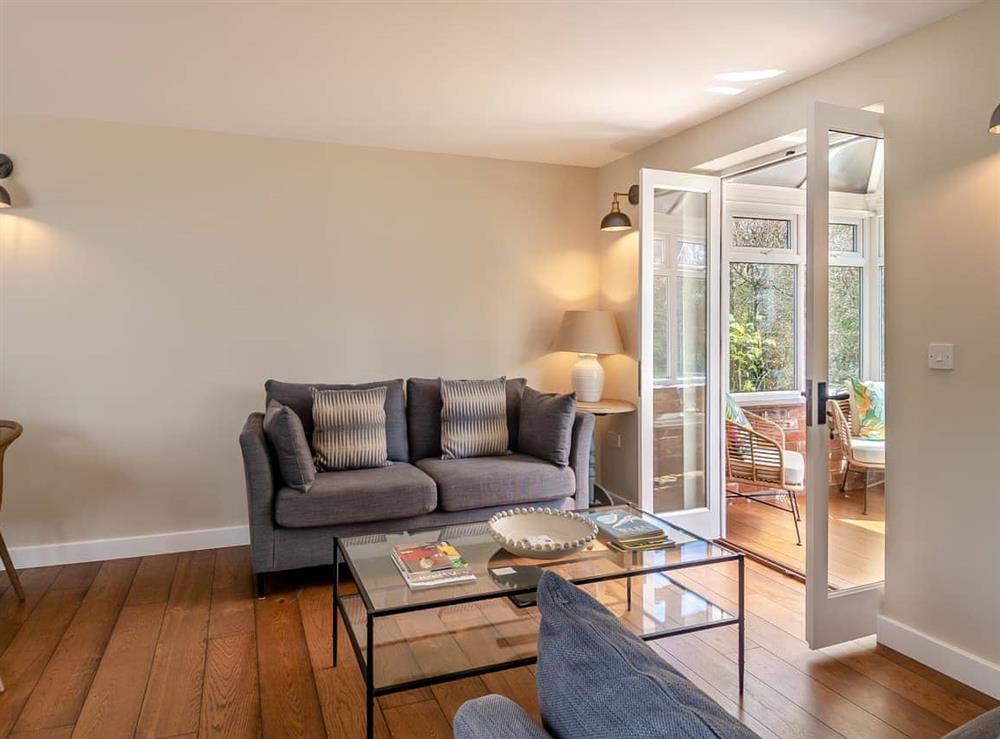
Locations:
column 381, row 585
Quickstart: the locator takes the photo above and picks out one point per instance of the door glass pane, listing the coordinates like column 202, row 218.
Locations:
column 856, row 504
column 680, row 358
column 845, row 326
column 761, row 327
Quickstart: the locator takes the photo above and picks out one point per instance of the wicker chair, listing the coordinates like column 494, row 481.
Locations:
column 860, row 455
column 757, row 456
column 9, row 431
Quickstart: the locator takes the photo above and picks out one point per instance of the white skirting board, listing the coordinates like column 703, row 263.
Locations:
column 965, row 667
column 129, row 546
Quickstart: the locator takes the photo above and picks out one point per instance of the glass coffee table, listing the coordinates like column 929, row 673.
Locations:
column 406, row 639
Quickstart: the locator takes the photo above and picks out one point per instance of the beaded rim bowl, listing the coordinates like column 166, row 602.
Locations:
column 568, row 531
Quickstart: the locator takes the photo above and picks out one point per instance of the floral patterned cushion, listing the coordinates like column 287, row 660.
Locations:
column 868, row 409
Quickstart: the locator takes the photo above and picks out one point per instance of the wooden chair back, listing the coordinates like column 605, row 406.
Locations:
column 753, row 457
column 841, row 425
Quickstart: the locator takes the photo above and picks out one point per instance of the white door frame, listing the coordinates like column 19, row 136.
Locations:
column 831, row 617
column 705, row 521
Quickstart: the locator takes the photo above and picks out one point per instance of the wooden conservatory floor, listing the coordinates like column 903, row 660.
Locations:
column 857, row 540
column 176, row 645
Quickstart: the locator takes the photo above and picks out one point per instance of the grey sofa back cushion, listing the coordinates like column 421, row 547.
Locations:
column 474, row 418
column 597, row 679
column 349, row 429
column 298, row 397
column 423, row 415
column 291, row 445
column 546, row 429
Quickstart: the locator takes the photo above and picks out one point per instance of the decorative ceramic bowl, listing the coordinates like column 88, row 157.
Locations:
column 541, row 533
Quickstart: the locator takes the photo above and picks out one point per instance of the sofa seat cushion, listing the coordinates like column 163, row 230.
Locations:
column 514, row 479
column 357, row 496
column 597, row 679
column 870, row 451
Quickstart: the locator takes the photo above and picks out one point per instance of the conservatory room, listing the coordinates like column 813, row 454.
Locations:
column 760, row 300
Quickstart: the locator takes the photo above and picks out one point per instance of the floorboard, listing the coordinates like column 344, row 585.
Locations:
column 172, row 704
column 177, row 646
column 58, row 697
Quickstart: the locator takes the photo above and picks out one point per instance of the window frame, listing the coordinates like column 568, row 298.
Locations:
column 761, row 201
column 794, row 256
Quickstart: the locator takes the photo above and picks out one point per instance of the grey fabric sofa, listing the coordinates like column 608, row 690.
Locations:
column 597, row 680
column 290, row 529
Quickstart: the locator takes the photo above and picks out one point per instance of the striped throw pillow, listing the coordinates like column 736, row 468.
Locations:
column 474, row 418
column 349, row 432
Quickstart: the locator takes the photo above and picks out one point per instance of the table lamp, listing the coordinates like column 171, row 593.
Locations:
column 588, row 333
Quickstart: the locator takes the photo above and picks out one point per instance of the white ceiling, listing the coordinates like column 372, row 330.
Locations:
column 567, row 82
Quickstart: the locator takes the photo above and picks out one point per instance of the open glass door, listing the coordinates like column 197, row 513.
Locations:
column 842, row 350
column 680, row 389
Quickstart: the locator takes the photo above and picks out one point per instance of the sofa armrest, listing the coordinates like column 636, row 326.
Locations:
column 579, row 456
column 495, row 717
column 262, row 477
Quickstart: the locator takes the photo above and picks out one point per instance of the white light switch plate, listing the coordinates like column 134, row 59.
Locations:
column 941, row 356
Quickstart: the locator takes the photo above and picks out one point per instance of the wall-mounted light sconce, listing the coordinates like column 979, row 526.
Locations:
column 6, row 167
column 615, row 220
column 995, row 121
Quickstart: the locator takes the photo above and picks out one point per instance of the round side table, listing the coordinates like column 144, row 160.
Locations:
column 604, row 407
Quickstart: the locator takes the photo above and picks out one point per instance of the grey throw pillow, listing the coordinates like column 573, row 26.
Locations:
column 474, row 418
column 283, row 429
column 546, row 428
column 597, row 679
column 349, row 429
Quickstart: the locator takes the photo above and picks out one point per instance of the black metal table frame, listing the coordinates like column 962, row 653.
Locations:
column 368, row 665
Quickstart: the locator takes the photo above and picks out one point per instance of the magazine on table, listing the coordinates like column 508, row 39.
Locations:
column 626, row 530
column 431, row 565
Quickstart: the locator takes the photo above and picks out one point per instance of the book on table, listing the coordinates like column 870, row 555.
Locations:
column 626, row 530
column 431, row 565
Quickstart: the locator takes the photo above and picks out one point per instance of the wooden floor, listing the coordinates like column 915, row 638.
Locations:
column 176, row 646
column 857, row 540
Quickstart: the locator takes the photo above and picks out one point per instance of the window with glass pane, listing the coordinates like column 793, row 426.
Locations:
column 845, row 325
column 880, row 321
column 690, row 254
column 661, row 346
column 761, row 327
column 659, row 252
column 692, row 309
column 762, row 233
column 844, row 238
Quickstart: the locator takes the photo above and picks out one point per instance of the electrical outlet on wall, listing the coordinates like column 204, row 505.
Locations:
column 941, row 356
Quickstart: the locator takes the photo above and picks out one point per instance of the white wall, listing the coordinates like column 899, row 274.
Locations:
column 942, row 191
column 151, row 279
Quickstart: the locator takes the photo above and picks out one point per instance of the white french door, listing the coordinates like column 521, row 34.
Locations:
column 680, row 371
column 832, row 615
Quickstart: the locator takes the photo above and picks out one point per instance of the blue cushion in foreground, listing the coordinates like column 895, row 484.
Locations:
column 597, row 679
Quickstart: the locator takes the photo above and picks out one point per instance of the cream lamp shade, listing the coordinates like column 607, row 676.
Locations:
column 588, row 333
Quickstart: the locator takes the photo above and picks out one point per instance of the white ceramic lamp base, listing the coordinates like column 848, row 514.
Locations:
column 588, row 379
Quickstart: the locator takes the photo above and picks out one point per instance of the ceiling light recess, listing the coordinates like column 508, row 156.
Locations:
column 751, row 75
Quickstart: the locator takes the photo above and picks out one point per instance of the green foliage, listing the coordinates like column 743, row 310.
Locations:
column 761, row 327
column 845, row 326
